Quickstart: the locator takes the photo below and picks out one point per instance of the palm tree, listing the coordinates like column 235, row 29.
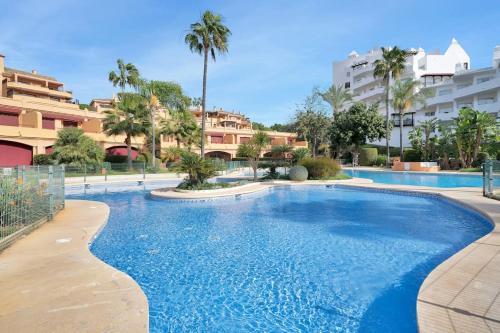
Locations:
column 129, row 117
column 404, row 97
column 253, row 149
column 337, row 97
column 392, row 64
column 127, row 74
column 207, row 36
column 182, row 126
column 149, row 90
column 429, row 127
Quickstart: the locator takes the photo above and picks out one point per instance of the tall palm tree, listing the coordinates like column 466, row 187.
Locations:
column 404, row 97
column 337, row 97
column 127, row 74
column 392, row 64
column 150, row 91
column 204, row 37
column 129, row 117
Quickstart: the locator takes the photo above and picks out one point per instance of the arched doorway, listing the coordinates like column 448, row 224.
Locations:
column 219, row 154
column 15, row 153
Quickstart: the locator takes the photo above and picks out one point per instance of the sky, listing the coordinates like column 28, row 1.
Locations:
column 278, row 51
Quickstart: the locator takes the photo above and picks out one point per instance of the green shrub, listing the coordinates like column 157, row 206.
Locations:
column 43, row 159
column 481, row 158
column 379, row 161
column 320, row 168
column 299, row 154
column 367, row 156
column 199, row 170
column 115, row 158
column 298, row 173
column 411, row 155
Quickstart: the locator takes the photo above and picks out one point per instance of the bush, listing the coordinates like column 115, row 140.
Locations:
column 411, row 155
column 481, row 158
column 367, row 156
column 379, row 161
column 320, row 168
column 197, row 168
column 115, row 159
column 298, row 173
column 43, row 159
column 299, row 154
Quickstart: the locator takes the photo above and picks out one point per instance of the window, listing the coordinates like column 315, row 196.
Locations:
column 444, row 92
column 348, row 74
column 407, row 119
column 466, row 65
column 430, row 114
column 244, row 139
column 9, row 119
column 70, row 123
column 347, row 85
column 484, row 79
column 48, row 123
column 486, row 100
column 217, row 139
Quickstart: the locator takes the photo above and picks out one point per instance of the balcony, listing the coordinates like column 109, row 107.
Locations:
column 38, row 89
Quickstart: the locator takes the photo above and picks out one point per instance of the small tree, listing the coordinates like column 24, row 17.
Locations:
column 337, row 97
column 357, row 126
column 299, row 154
column 429, row 128
column 446, row 145
column 74, row 148
column 198, row 170
column 252, row 150
column 472, row 129
column 312, row 122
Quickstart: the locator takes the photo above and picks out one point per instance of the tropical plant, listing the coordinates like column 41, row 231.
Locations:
column 281, row 152
column 299, row 154
column 337, row 97
column 415, row 136
column 405, row 95
column 127, row 74
column 320, row 168
column 429, row 128
column 356, row 126
column 198, row 170
column 311, row 121
column 252, row 150
column 74, row 148
column 171, row 154
column 392, row 64
column 129, row 117
column 472, row 129
column 182, row 126
column 207, row 37
column 446, row 144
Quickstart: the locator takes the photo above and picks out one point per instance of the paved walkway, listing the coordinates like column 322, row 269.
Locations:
column 50, row 282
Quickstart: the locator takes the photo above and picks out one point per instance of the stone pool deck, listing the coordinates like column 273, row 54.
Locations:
column 50, row 282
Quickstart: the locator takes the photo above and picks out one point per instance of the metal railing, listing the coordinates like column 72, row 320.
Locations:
column 29, row 195
column 491, row 175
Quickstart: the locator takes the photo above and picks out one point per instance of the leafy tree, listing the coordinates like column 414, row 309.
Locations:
column 281, row 151
column 130, row 117
column 207, row 37
column 171, row 154
column 446, row 144
column 283, row 127
column 127, row 74
column 196, row 102
column 74, row 148
column 259, row 126
column 356, row 126
column 252, row 150
column 429, row 128
column 337, row 97
column 311, row 121
column 404, row 97
column 392, row 64
column 472, row 129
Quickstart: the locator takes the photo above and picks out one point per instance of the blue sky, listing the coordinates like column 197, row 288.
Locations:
column 278, row 51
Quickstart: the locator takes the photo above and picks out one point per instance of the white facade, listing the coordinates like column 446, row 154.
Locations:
column 431, row 68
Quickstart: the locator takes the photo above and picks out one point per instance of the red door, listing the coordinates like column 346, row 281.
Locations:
column 14, row 153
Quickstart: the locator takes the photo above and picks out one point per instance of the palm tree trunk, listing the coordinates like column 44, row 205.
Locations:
column 401, row 152
column 154, row 138
column 387, row 134
column 203, row 102
column 129, row 151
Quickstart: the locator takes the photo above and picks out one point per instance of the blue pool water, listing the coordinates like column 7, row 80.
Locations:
column 308, row 259
column 421, row 179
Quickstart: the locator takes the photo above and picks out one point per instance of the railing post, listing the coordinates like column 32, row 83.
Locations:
column 485, row 165
column 85, row 173
column 490, row 178
column 63, row 189
column 51, row 194
column 144, row 169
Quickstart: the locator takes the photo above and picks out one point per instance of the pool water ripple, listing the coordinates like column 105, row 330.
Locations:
column 306, row 259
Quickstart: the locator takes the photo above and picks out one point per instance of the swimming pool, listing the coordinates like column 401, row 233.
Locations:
column 421, row 179
column 304, row 259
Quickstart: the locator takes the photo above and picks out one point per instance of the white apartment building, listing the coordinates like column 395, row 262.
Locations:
column 432, row 68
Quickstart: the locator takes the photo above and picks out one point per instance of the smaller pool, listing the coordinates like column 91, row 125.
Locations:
column 420, row 179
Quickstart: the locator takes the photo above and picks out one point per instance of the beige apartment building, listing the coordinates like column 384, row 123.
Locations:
column 34, row 107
